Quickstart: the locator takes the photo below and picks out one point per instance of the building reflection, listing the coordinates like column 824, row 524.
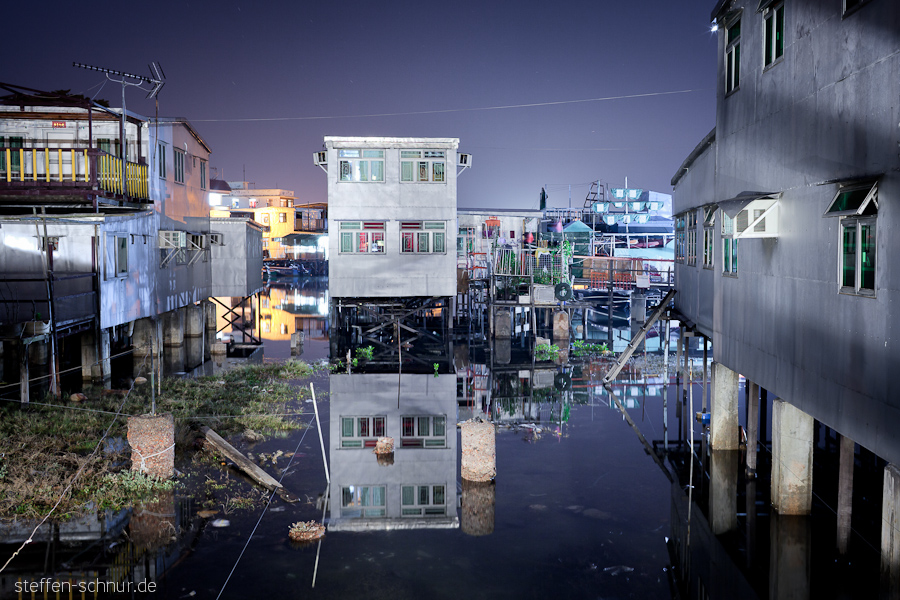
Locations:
column 418, row 489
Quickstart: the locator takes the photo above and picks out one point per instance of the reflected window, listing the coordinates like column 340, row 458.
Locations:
column 361, row 432
column 362, row 501
column 423, row 431
column 362, row 237
column 423, row 500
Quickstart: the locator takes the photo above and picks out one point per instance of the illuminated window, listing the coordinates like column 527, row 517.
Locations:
column 420, row 237
column 773, row 19
column 282, row 217
column 422, row 165
column 729, row 247
column 733, row 56
column 361, row 165
column 857, row 206
column 359, row 237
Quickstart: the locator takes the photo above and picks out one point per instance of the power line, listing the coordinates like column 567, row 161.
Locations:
column 450, row 110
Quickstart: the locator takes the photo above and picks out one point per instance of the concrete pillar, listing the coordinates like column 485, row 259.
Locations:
column 88, row 355
column 792, row 452
column 193, row 352
column 479, row 454
column 723, row 424
column 144, row 337
column 502, row 351
column 890, row 533
column 152, row 441
column 502, row 324
column 561, row 328
column 845, row 494
column 789, row 558
column 103, row 370
column 173, row 360
column 723, row 476
column 750, row 509
column 39, row 352
column 24, row 384
column 194, row 321
column 477, row 510
column 752, row 426
column 638, row 316
column 173, row 327
column 209, row 309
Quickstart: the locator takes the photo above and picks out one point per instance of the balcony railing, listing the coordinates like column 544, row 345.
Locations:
column 76, row 167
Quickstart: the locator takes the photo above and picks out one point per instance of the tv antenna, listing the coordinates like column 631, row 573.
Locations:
column 156, row 81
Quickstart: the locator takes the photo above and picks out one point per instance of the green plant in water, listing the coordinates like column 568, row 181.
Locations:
column 436, row 367
column 582, row 348
column 546, row 352
column 366, row 352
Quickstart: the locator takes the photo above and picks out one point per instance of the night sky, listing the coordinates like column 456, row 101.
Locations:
column 264, row 82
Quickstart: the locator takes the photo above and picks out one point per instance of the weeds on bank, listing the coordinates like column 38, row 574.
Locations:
column 42, row 447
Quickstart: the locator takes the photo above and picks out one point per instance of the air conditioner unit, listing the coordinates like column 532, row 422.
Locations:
column 172, row 239
column 320, row 159
column 464, row 160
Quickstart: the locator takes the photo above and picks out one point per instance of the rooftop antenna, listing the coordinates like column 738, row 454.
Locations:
column 156, row 81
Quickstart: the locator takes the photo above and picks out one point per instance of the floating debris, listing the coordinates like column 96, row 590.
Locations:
column 221, row 523
column 205, row 514
column 306, row 531
column 618, row 570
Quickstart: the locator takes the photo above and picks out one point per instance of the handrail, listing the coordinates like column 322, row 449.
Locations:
column 74, row 165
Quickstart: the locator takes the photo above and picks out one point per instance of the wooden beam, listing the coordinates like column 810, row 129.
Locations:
column 250, row 468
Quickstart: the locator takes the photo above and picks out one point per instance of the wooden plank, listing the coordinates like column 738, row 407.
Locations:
column 250, row 468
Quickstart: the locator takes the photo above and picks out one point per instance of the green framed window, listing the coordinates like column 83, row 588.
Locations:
column 362, row 237
column 361, row 165
column 773, row 33
column 423, row 166
column 420, row 237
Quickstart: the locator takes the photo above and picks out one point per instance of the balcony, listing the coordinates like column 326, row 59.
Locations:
column 66, row 175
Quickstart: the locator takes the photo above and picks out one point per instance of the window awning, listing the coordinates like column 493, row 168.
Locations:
column 854, row 200
column 733, row 206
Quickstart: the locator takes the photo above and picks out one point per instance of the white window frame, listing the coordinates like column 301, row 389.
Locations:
column 691, row 231
column 360, row 165
column 773, row 17
column 732, row 57
column 179, row 165
column 419, row 500
column 361, row 237
column 709, row 236
column 423, row 166
column 680, row 234
column 729, row 247
column 425, row 431
column 282, row 217
column 359, row 501
column 421, row 237
column 857, row 225
column 363, row 431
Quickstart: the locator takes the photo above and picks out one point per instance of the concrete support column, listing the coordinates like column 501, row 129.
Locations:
column 212, row 323
column 723, row 425
column 194, row 321
column 561, row 328
column 24, row 384
column 638, row 316
column 789, row 549
column 845, row 494
column 502, row 324
column 723, row 476
column 143, row 337
column 752, row 426
column 792, row 452
column 890, row 533
column 88, row 355
column 173, row 327
column 103, row 373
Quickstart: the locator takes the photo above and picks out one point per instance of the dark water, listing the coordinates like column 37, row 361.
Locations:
column 578, row 509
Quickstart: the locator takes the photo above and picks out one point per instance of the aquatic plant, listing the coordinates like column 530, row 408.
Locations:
column 582, row 348
column 546, row 352
column 366, row 352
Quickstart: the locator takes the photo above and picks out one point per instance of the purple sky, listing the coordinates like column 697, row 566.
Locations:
column 228, row 62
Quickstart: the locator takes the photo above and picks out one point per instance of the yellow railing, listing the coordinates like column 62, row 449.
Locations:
column 58, row 165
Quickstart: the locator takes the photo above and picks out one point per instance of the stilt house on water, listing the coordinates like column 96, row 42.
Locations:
column 392, row 240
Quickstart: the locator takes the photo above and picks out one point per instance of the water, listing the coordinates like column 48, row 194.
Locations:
column 578, row 509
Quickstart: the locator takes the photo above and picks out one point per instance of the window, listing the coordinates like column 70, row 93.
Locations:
column 361, row 432
column 362, row 236
column 202, row 174
column 109, row 146
column 423, row 237
column 362, row 501
column 852, row 5
column 422, row 165
column 857, row 206
column 15, row 162
column 116, row 255
column 709, row 222
column 733, row 56
column 161, row 158
column 691, row 226
column 252, row 202
column 265, row 219
column 680, row 223
column 216, row 239
column 361, row 165
column 179, row 166
column 282, row 217
column 729, row 247
column 423, row 432
column 773, row 18
column 423, row 500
